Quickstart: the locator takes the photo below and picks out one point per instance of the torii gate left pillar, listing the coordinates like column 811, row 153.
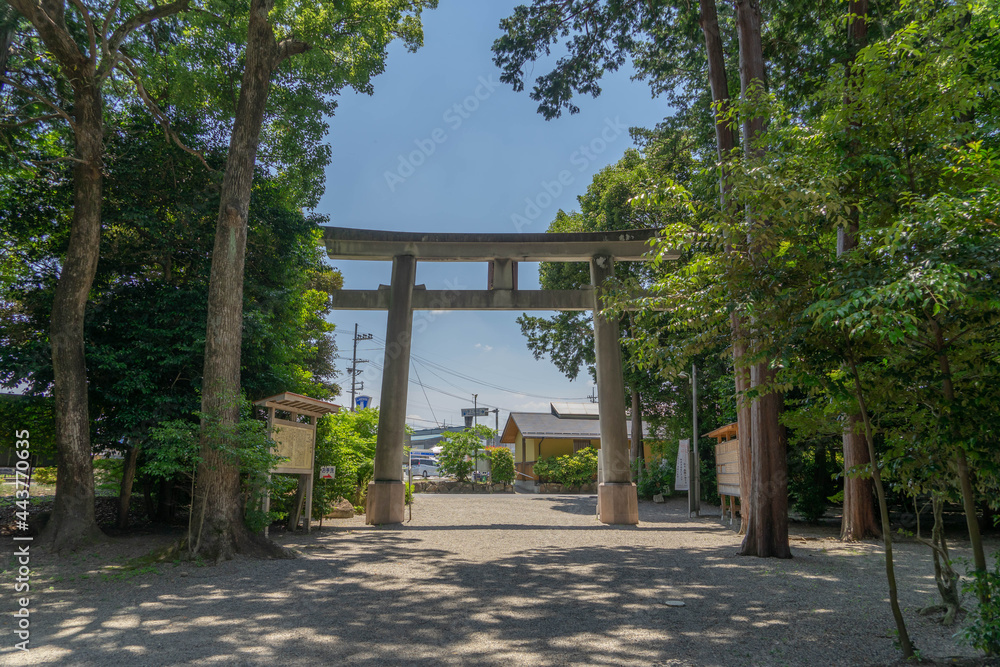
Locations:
column 617, row 502
column 386, row 493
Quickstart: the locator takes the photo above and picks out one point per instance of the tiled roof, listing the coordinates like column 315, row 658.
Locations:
column 547, row 425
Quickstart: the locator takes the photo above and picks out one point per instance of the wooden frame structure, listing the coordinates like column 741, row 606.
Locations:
column 617, row 502
column 727, row 466
column 297, row 443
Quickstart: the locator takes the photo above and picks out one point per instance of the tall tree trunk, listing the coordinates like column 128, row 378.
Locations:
column 218, row 513
column 8, row 27
column 128, row 477
column 73, row 522
column 726, row 140
column 858, row 521
column 964, row 474
column 767, row 528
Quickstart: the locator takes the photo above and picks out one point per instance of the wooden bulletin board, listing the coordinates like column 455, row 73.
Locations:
column 297, row 444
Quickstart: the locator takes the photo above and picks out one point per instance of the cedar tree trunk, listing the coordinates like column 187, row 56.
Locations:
column 726, row 140
column 859, row 521
column 767, row 528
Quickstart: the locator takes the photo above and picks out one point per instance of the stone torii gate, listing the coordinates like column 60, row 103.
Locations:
column 616, row 496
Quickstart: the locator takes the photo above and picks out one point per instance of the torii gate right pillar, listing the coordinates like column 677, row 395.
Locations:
column 617, row 501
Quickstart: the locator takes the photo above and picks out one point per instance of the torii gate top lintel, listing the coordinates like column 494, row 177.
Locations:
column 501, row 251
column 624, row 245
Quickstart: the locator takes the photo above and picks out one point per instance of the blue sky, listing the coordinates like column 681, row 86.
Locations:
column 443, row 146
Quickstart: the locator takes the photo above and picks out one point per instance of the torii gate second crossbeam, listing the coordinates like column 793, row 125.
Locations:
column 616, row 497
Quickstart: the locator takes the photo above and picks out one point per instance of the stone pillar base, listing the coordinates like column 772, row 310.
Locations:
column 385, row 503
column 617, row 503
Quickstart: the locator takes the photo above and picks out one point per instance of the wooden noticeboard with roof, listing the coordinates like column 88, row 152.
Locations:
column 296, row 438
column 727, row 466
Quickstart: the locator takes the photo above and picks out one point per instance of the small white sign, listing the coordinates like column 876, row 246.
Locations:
column 327, row 472
column 681, row 476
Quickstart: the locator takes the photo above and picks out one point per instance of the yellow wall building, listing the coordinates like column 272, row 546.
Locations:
column 565, row 429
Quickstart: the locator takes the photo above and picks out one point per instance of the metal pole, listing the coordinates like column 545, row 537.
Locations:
column 696, row 468
column 475, row 423
column 354, row 364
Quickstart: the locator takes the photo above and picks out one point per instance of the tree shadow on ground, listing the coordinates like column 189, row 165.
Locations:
column 377, row 596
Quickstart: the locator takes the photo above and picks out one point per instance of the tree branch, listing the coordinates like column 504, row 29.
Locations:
column 137, row 21
column 112, row 12
column 288, row 48
column 91, row 31
column 52, row 29
column 37, row 119
column 160, row 117
column 52, row 105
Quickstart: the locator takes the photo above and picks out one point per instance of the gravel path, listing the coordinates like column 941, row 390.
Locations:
column 488, row 579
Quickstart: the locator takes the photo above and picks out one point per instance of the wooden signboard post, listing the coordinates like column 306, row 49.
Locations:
column 295, row 433
column 727, row 466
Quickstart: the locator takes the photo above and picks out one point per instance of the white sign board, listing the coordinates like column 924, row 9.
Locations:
column 327, row 472
column 681, row 476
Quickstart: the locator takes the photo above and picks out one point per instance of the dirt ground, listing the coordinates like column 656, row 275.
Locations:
column 484, row 579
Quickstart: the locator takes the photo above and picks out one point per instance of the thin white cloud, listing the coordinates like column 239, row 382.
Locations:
column 484, row 348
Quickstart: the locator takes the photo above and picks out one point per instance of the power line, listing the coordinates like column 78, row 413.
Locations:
column 424, row 390
column 442, row 391
column 430, row 365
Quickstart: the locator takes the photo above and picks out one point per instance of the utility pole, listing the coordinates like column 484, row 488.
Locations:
column 593, row 395
column 475, row 423
column 354, row 371
column 694, row 457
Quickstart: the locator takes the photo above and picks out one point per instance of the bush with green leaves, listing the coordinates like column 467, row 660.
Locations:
column 501, row 464
column 345, row 440
column 657, row 479
column 458, row 449
column 573, row 470
column 983, row 629
column 177, row 453
column 108, row 476
column 44, row 475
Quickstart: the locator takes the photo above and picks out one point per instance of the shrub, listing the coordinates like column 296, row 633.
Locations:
column 345, row 440
column 501, row 465
column 176, row 451
column 108, row 476
column 983, row 630
column 409, row 494
column 44, row 475
column 657, row 479
column 458, row 448
column 574, row 469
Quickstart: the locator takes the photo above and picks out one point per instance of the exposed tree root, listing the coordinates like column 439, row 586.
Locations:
column 240, row 543
column 950, row 611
